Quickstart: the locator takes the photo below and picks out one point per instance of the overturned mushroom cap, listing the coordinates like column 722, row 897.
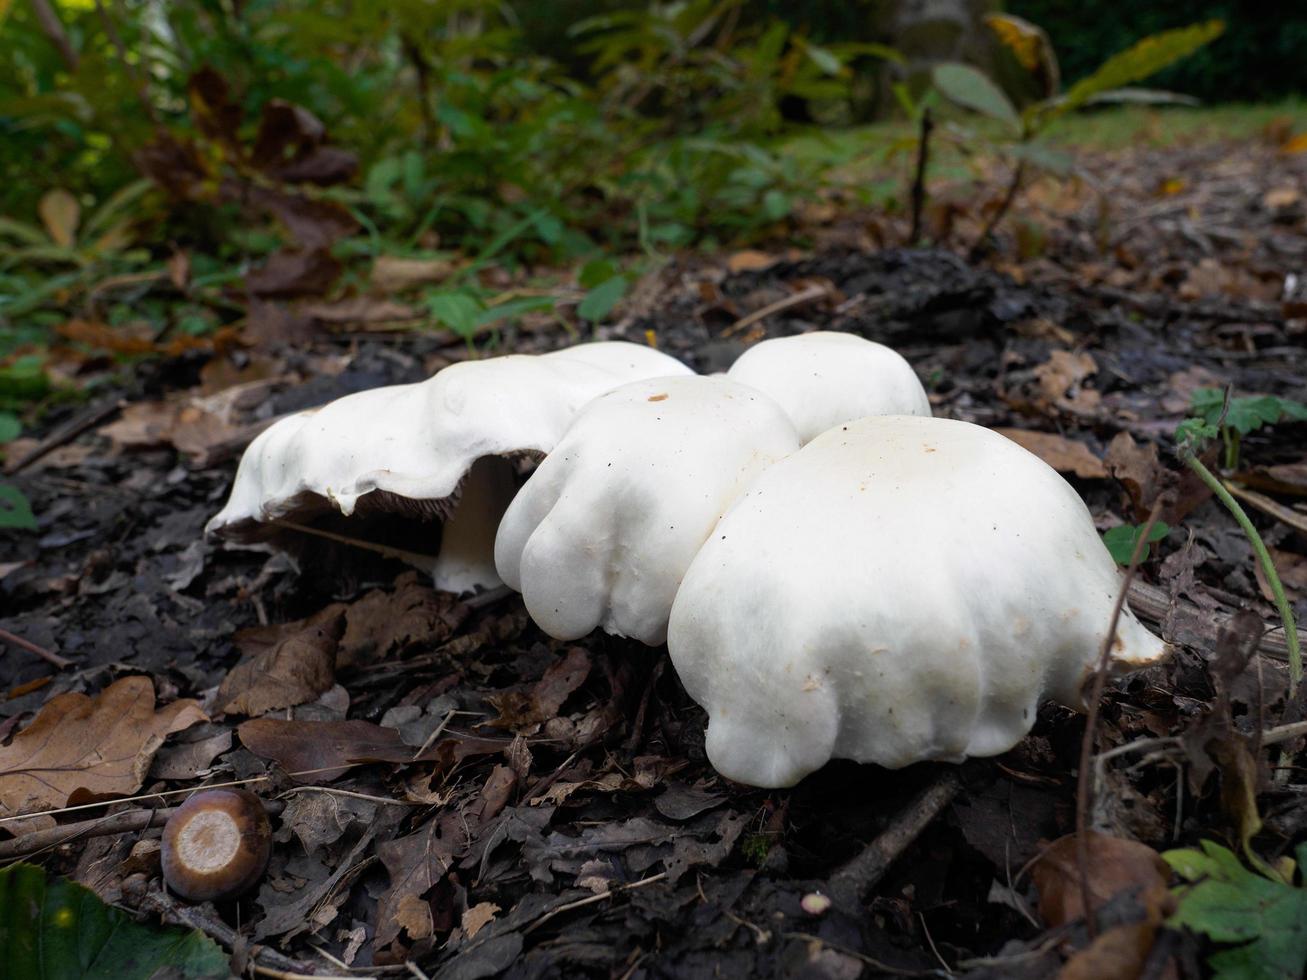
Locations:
column 901, row 589
column 410, row 447
column 824, row 379
column 607, row 525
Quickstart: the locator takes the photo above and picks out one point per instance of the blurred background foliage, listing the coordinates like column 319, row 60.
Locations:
column 242, row 150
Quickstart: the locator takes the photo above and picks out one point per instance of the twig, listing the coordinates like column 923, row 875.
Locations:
column 129, row 821
column 1153, row 604
column 49, row 656
column 1015, row 185
column 198, row 917
column 67, row 432
column 591, row 899
column 859, row 875
column 919, row 179
column 805, row 295
column 1085, row 783
column 411, row 557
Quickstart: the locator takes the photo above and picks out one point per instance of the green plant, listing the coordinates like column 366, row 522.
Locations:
column 1239, row 417
column 1020, row 129
column 1192, row 438
column 52, row 928
column 1121, row 541
column 1223, row 900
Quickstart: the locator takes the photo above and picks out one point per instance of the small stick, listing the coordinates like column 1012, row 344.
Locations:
column 410, row 557
column 919, row 180
column 859, row 875
column 198, row 917
column 129, row 821
column 49, row 656
column 591, row 899
column 978, row 249
column 1084, row 785
column 806, row 295
column 67, row 432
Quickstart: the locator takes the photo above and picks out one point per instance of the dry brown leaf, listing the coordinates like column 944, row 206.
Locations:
column 143, row 424
column 60, row 214
column 750, row 260
column 1061, row 380
column 478, row 917
column 1115, row 864
column 93, row 747
column 1063, row 454
column 283, row 666
column 524, row 711
column 386, row 623
column 391, row 274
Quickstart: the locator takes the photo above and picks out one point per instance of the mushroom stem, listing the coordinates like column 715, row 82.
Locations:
column 467, row 546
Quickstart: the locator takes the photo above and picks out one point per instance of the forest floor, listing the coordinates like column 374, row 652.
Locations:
column 505, row 804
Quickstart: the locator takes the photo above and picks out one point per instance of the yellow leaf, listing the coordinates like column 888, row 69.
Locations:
column 1295, row 144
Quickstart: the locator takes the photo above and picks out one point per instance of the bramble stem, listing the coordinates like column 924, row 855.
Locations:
column 1259, row 548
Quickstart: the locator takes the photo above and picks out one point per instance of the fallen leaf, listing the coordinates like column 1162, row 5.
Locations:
column 143, row 424
column 387, row 623
column 518, row 711
column 284, row 666
column 1063, row 454
column 1061, row 381
column 1115, row 864
column 478, row 916
column 60, row 214
column 322, row 750
column 360, row 310
column 1137, row 467
column 293, row 273
column 750, row 260
column 391, row 274
column 96, row 747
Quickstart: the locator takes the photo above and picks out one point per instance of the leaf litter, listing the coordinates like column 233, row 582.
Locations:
column 463, row 793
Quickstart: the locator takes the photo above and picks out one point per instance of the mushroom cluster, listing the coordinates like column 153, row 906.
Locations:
column 836, row 573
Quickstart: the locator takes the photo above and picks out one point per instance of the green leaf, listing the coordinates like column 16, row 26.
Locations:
column 10, row 427
column 1230, row 904
column 52, row 928
column 1121, row 540
column 1246, row 414
column 15, row 514
column 599, row 302
column 596, row 271
column 973, row 89
column 457, row 311
column 1144, row 58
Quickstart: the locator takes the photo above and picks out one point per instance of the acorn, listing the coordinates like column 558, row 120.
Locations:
column 216, row 845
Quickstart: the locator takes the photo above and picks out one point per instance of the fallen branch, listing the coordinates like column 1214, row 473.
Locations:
column 127, row 822
column 49, row 656
column 806, row 295
column 856, row 877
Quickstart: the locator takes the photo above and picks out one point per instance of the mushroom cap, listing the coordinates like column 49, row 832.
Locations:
column 823, row 379
column 901, row 589
column 604, row 529
column 417, row 441
column 216, row 845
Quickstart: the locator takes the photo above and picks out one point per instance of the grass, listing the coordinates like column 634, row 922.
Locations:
column 858, row 155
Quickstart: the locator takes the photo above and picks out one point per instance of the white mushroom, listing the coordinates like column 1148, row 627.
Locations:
column 823, row 379
column 607, row 525
column 901, row 589
column 429, row 448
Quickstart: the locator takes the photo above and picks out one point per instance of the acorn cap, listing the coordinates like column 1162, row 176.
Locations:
column 216, row 845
